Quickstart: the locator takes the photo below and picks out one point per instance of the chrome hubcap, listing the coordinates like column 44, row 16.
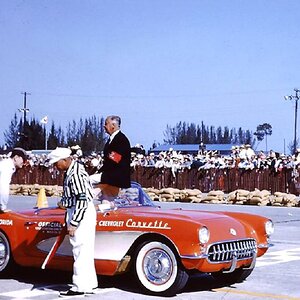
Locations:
column 3, row 254
column 157, row 266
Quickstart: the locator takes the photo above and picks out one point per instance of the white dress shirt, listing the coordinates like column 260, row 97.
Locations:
column 7, row 168
column 113, row 135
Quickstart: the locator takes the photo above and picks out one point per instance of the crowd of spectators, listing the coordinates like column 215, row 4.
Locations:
column 241, row 157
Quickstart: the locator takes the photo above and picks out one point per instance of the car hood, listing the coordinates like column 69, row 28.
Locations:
column 178, row 213
column 218, row 223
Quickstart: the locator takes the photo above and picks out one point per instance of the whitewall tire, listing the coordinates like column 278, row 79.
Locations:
column 157, row 268
column 4, row 252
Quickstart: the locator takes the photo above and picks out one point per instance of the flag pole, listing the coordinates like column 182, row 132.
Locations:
column 45, row 121
column 46, row 142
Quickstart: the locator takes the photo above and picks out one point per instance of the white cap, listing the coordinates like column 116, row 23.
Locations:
column 58, row 154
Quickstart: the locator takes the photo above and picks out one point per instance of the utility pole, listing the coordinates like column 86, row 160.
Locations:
column 295, row 97
column 24, row 109
column 22, row 135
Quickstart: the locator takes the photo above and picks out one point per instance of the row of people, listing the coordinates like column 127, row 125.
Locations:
column 211, row 160
column 176, row 160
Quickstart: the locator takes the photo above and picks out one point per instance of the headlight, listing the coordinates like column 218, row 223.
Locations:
column 269, row 227
column 203, row 235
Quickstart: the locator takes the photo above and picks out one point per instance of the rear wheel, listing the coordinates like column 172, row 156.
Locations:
column 5, row 257
column 158, row 270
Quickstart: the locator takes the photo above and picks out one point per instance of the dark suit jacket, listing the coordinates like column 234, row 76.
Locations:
column 116, row 163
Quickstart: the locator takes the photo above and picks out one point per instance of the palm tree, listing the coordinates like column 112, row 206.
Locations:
column 263, row 131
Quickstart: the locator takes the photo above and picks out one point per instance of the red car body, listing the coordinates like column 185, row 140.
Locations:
column 161, row 246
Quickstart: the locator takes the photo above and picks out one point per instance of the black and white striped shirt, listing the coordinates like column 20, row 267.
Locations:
column 78, row 191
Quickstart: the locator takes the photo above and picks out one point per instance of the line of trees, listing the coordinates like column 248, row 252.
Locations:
column 89, row 134
column 185, row 133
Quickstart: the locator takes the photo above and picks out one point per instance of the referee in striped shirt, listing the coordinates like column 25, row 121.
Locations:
column 81, row 220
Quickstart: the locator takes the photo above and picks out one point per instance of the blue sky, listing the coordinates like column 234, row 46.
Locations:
column 154, row 63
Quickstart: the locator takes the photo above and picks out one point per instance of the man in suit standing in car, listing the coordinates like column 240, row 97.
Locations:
column 115, row 171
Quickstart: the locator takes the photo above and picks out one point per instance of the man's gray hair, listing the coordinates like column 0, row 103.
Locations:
column 115, row 119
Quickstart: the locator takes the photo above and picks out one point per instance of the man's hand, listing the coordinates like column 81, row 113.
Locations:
column 71, row 230
column 59, row 204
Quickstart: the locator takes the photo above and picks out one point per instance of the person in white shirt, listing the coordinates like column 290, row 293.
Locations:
column 77, row 199
column 8, row 166
column 249, row 151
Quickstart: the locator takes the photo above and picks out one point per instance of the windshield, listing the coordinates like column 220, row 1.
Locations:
column 133, row 196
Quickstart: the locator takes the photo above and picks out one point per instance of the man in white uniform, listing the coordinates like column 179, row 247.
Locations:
column 77, row 198
column 8, row 166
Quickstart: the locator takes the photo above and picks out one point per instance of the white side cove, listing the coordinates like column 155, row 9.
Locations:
column 108, row 245
column 65, row 249
column 114, row 245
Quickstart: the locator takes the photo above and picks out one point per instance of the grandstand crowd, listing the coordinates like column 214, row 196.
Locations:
column 241, row 157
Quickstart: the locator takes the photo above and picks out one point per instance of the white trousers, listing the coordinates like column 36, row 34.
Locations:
column 83, row 243
column 4, row 189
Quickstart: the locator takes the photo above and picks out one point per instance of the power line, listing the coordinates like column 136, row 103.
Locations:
column 212, row 94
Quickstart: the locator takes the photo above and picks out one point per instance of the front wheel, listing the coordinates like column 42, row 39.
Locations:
column 5, row 258
column 158, row 270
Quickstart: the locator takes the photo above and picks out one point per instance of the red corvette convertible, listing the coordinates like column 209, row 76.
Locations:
column 161, row 247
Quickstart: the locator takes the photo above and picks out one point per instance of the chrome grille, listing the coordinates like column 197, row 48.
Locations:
column 225, row 251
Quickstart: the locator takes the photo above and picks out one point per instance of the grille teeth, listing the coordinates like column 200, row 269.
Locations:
column 225, row 251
